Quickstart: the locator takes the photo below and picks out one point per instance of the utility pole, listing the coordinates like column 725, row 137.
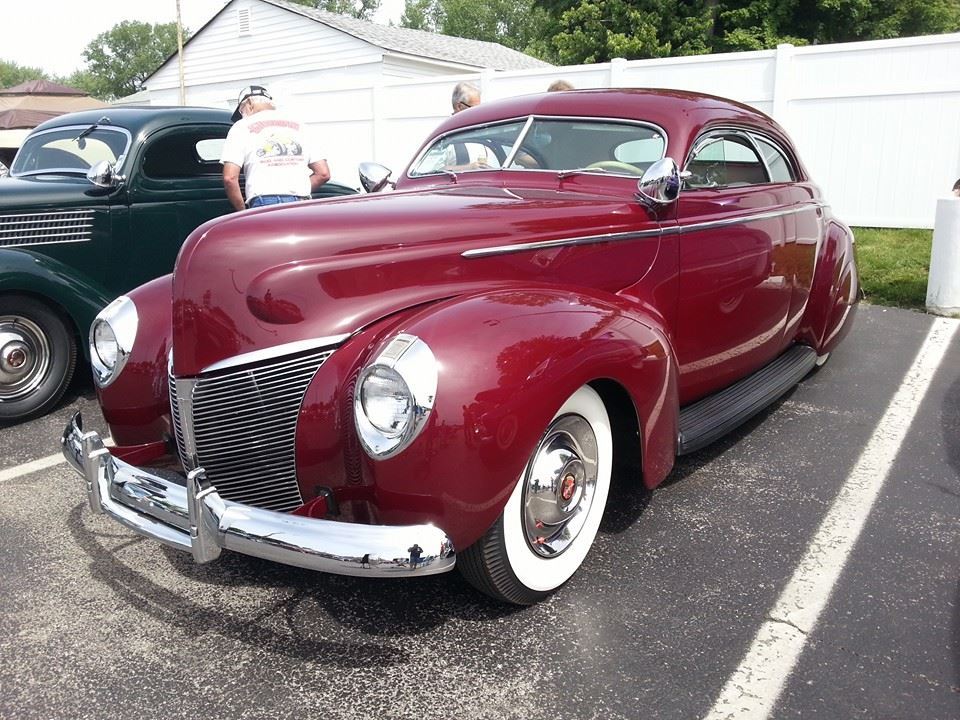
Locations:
column 183, row 92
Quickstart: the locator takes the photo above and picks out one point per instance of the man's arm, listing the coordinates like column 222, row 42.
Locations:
column 231, row 183
column 321, row 173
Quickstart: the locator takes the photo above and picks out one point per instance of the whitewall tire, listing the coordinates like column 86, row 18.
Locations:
column 551, row 519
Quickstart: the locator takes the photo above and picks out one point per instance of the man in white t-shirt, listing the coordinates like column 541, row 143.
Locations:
column 278, row 158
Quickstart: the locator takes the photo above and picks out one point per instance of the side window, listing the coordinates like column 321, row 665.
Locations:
column 185, row 154
column 725, row 160
column 640, row 152
column 777, row 163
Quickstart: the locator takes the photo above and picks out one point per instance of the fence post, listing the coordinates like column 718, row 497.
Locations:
column 618, row 67
column 943, row 282
column 782, row 82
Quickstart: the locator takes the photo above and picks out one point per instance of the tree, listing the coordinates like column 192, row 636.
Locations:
column 517, row 24
column 12, row 73
column 599, row 30
column 120, row 59
column 360, row 9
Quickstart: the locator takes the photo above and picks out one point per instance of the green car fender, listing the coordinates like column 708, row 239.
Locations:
column 59, row 286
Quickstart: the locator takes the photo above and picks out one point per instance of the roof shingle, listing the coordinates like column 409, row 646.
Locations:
column 475, row 53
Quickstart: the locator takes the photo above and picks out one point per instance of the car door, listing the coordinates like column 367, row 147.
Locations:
column 178, row 185
column 737, row 230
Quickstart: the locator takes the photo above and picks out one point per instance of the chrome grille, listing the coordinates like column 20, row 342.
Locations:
column 240, row 426
column 44, row 228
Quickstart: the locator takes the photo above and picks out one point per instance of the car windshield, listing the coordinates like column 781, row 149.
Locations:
column 552, row 144
column 71, row 150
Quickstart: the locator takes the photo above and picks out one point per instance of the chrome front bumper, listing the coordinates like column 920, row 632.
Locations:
column 196, row 519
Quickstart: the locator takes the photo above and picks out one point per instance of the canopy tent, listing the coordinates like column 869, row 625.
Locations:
column 24, row 106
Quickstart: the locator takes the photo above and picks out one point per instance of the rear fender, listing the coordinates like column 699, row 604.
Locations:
column 507, row 360
column 835, row 292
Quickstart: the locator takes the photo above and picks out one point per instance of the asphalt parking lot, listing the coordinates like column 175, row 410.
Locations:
column 97, row 623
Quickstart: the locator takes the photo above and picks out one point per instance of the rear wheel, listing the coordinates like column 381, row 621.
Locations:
column 38, row 355
column 551, row 519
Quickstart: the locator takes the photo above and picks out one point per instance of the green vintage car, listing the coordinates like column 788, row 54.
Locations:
column 97, row 202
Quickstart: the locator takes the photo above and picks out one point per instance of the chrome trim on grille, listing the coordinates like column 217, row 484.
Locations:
column 240, row 426
column 46, row 227
column 277, row 351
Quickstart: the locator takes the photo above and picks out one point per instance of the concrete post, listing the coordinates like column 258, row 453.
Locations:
column 943, row 282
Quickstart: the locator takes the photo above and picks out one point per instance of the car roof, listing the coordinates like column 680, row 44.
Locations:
column 137, row 119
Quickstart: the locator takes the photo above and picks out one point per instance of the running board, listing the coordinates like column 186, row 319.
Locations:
column 715, row 415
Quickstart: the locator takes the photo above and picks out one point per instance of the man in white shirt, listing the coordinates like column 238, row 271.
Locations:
column 279, row 161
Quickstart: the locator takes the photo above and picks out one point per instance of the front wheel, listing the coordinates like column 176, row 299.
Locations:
column 38, row 355
column 551, row 519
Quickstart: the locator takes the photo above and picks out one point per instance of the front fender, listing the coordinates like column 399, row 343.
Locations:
column 507, row 360
column 30, row 273
column 136, row 404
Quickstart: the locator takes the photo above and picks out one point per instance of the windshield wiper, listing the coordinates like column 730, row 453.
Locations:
column 90, row 129
column 575, row 171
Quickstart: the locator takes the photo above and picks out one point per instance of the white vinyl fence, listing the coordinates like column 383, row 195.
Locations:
column 877, row 123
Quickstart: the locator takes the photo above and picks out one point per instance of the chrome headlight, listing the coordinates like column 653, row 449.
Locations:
column 111, row 339
column 394, row 396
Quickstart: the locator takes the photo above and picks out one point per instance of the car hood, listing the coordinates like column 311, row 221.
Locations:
column 327, row 268
column 45, row 192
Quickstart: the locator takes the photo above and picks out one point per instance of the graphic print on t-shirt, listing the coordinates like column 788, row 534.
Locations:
column 277, row 144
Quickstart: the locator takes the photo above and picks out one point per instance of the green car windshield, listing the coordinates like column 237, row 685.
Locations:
column 71, row 151
column 556, row 145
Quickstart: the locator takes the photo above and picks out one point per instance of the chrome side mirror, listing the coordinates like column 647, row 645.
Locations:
column 660, row 184
column 102, row 175
column 374, row 177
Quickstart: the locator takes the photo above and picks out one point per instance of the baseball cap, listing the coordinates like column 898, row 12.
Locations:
column 248, row 92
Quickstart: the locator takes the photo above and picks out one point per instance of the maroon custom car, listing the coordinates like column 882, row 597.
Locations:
column 395, row 384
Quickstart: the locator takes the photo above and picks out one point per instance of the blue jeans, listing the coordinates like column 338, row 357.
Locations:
column 260, row 200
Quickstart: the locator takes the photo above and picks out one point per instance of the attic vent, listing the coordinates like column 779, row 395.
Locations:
column 243, row 21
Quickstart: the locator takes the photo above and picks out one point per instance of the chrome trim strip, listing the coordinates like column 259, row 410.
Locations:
column 276, row 351
column 638, row 235
column 561, row 242
column 770, row 214
column 198, row 520
column 508, row 160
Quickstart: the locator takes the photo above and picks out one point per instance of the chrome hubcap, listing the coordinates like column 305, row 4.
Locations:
column 559, row 486
column 24, row 357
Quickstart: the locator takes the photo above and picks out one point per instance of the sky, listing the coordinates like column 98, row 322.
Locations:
column 70, row 25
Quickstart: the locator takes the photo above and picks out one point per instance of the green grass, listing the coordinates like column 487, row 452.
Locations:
column 893, row 265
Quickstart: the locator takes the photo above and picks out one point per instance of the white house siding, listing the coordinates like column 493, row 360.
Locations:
column 281, row 46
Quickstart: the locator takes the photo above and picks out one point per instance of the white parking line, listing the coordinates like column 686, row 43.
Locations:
column 31, row 467
column 753, row 689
